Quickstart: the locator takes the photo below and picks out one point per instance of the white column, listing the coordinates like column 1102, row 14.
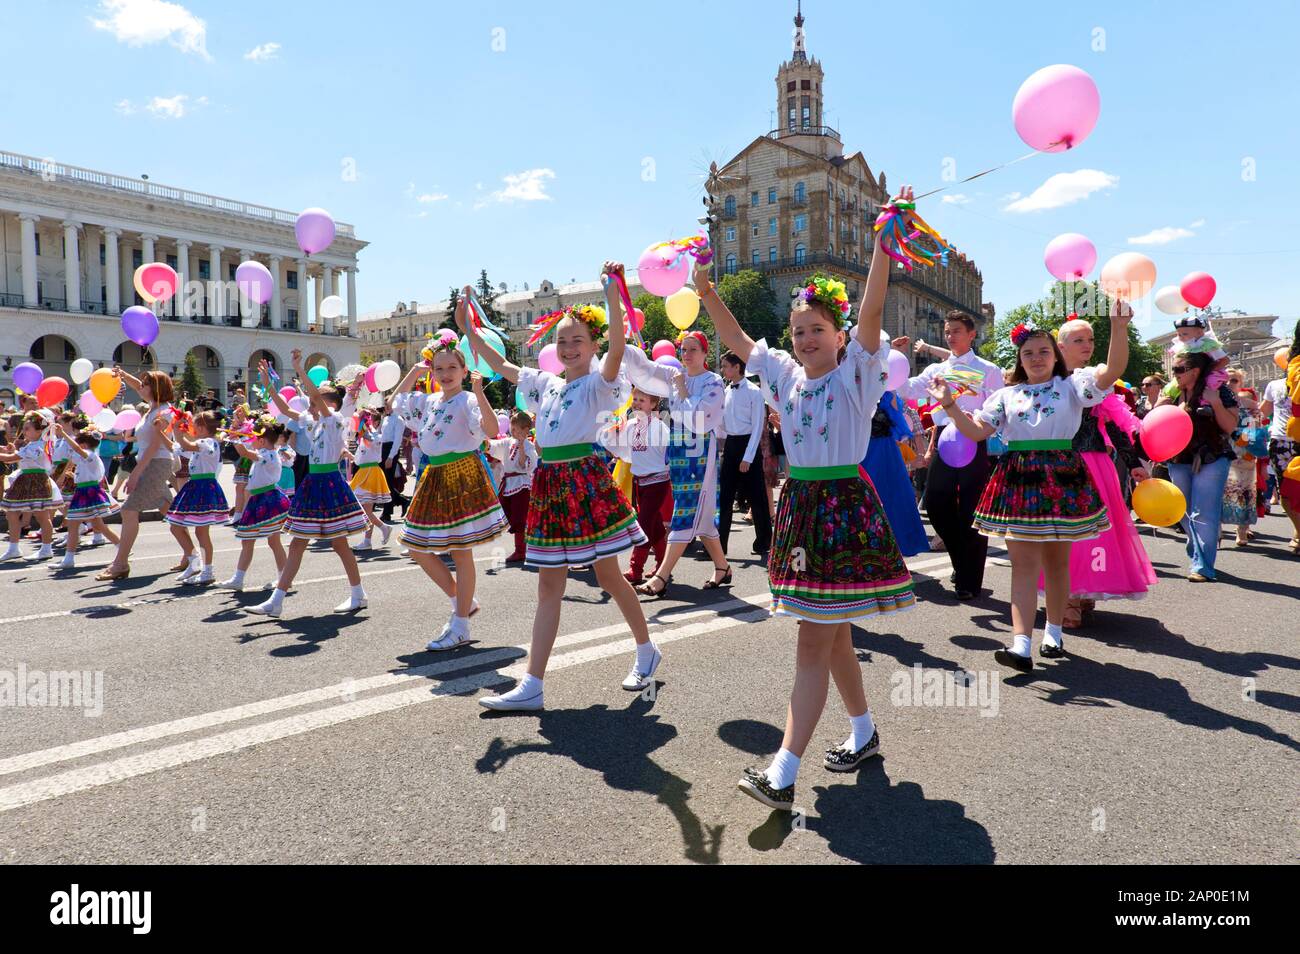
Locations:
column 28, row 223
column 247, row 310
column 216, row 296
column 275, row 291
column 72, row 265
column 147, row 241
column 112, row 271
column 183, row 272
column 352, row 301
column 327, row 289
column 304, row 313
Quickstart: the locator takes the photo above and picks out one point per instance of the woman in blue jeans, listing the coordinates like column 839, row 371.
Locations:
column 1200, row 471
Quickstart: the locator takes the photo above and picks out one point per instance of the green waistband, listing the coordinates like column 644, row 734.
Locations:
column 1059, row 444
column 34, row 470
column 836, row 472
column 373, row 463
column 323, row 468
column 87, row 483
column 203, row 476
column 443, row 459
column 563, row 452
column 254, row 491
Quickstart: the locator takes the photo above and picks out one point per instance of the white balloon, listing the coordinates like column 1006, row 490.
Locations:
column 104, row 419
column 299, row 404
column 81, row 371
column 1170, row 300
column 349, row 372
column 331, row 307
column 388, row 374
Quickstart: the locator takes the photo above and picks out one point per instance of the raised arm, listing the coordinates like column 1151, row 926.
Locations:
column 729, row 330
column 129, row 378
column 72, row 444
column 1117, row 353
column 318, row 404
column 281, row 404
column 973, row 429
column 613, row 359
column 497, row 362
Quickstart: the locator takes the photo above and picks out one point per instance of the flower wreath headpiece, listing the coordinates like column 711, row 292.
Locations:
column 1022, row 332
column 593, row 316
column 826, row 290
column 444, row 339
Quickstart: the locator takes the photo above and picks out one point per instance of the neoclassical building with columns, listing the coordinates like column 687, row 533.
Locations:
column 72, row 238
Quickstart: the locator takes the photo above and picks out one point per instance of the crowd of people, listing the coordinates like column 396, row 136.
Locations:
column 621, row 457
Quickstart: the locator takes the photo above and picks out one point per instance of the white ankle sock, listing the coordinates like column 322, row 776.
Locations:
column 528, row 687
column 1020, row 645
column 238, row 577
column 645, row 654
column 358, row 592
column 785, row 766
column 277, row 597
column 863, row 727
column 1052, row 635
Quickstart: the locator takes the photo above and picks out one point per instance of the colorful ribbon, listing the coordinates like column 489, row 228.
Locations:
column 908, row 239
column 697, row 246
column 626, row 298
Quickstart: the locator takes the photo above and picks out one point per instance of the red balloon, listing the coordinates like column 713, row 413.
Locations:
column 1198, row 289
column 1165, row 432
column 51, row 392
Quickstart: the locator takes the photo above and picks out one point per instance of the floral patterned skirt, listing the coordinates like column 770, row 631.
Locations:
column 834, row 558
column 1239, row 494
column 577, row 514
column 90, row 500
column 453, row 508
column 200, row 503
column 1041, row 496
column 324, row 508
column 369, row 485
column 265, row 513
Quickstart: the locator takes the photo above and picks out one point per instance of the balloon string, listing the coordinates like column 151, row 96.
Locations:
column 983, row 172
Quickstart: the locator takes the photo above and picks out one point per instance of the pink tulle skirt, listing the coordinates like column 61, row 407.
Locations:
column 1114, row 566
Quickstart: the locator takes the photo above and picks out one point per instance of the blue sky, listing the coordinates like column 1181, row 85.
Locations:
column 517, row 136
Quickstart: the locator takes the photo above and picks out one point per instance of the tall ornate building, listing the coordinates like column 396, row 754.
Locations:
column 791, row 202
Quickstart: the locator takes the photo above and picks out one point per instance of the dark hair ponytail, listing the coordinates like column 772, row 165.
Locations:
column 1295, row 343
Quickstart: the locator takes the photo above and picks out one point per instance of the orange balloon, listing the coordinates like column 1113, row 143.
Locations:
column 1128, row 276
column 104, row 385
column 1281, row 357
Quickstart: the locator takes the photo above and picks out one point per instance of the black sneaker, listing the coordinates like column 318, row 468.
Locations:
column 1014, row 660
column 841, row 759
column 755, row 784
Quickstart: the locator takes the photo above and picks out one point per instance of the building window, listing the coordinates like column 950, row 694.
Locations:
column 831, row 220
column 800, row 254
column 291, row 278
column 731, row 233
column 205, row 270
column 805, row 84
column 137, row 258
column 38, row 244
column 771, row 197
column 171, row 261
column 753, row 199
column 806, row 110
column 729, row 206
column 771, row 225
column 756, row 230
column 102, row 253
column 292, row 314
column 754, row 257
column 800, row 223
column 771, row 254
column 800, row 192
column 731, row 264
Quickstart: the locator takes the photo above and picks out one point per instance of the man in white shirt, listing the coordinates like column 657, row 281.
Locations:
column 743, row 419
column 951, row 494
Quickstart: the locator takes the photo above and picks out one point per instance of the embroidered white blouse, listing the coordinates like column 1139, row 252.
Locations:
column 572, row 412
column 327, row 437
column 700, row 412
column 206, row 457
column 265, row 471
column 519, row 460
column 825, row 422
column 443, row 426
column 642, row 440
column 32, row 456
column 1038, row 412
column 88, row 469
column 369, row 449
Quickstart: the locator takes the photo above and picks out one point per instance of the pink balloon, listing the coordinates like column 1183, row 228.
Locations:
column 255, row 281
column 1198, row 289
column 956, row 449
column 1070, row 257
column 657, row 276
column 314, row 229
column 1129, row 276
column 371, row 384
column 549, row 361
column 288, row 393
column 89, row 404
column 663, row 347
column 158, row 279
column 669, row 361
column 1165, row 432
column 126, row 420
column 638, row 319
column 1056, row 108
column 899, row 370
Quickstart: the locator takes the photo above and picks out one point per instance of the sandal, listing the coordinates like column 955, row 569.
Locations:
column 108, row 574
column 647, row 588
column 183, row 565
column 725, row 581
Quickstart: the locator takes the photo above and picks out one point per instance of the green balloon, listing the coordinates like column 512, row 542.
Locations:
column 519, row 399
column 319, row 375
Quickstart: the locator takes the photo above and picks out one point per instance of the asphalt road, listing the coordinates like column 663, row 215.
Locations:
column 1168, row 734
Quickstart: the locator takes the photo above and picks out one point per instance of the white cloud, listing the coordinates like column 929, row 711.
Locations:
column 431, row 197
column 1197, row 224
column 956, row 199
column 1064, row 188
column 169, row 107
column 125, row 107
column 1162, row 236
column 143, row 22
column 527, row 186
column 265, row 51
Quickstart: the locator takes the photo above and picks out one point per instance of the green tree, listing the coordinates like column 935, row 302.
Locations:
column 453, row 297
column 192, row 383
column 1084, row 300
column 749, row 297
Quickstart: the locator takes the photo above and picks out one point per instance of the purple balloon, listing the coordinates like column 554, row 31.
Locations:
column 899, row 369
column 668, row 361
column 140, row 325
column 956, row 449
column 255, row 281
column 315, row 230
column 28, row 377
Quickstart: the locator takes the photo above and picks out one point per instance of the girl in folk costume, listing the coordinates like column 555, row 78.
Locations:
column 576, row 514
column 267, row 508
column 89, row 502
column 834, row 560
column 238, row 422
column 454, row 507
column 643, row 441
column 288, row 455
column 1041, row 496
column 369, row 484
column 519, row 457
column 1114, row 566
column 32, row 491
column 201, row 503
column 323, row 506
column 696, row 401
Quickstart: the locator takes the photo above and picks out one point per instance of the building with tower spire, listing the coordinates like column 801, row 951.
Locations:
column 791, row 202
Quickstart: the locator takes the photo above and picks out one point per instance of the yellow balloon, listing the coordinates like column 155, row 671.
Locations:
column 683, row 307
column 104, row 385
column 1159, row 503
column 1281, row 356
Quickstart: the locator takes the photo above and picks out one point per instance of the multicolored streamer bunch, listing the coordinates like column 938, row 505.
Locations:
column 906, row 238
column 626, row 298
column 697, row 246
column 963, row 381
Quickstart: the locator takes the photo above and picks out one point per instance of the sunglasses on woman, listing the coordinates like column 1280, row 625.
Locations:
column 1181, row 369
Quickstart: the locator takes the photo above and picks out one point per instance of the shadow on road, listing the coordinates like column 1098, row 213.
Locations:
column 617, row 743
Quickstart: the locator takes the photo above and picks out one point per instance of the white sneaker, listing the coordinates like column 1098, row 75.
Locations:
column 13, row 553
column 365, row 544
column 69, row 562
column 230, row 584
column 352, row 604
column 513, row 701
column 385, row 532
column 44, row 553
column 449, row 638
column 269, row 608
column 638, row 681
column 207, row 576
column 404, row 552
column 59, row 540
column 98, row 540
